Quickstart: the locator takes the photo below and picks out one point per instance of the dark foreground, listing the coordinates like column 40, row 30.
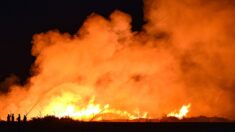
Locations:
column 116, row 126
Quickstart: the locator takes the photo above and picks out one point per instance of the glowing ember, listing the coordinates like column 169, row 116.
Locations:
column 182, row 112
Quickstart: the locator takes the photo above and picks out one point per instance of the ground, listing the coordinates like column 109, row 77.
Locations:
column 66, row 124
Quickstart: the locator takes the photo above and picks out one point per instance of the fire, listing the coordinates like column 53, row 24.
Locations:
column 182, row 112
column 106, row 71
column 68, row 106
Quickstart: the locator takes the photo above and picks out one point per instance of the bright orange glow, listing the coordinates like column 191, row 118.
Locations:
column 105, row 71
column 68, row 105
column 182, row 112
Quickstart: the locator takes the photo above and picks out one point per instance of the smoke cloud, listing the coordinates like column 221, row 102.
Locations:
column 184, row 54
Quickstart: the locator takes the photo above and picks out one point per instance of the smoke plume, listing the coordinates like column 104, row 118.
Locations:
column 184, row 54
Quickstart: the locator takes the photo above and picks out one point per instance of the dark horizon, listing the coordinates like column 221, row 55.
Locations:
column 51, row 123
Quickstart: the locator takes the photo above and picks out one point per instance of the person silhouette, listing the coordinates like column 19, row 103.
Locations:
column 8, row 118
column 25, row 118
column 18, row 118
column 12, row 118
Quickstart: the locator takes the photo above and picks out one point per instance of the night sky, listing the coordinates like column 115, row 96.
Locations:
column 20, row 19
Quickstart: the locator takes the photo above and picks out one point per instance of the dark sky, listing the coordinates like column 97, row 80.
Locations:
column 20, row 19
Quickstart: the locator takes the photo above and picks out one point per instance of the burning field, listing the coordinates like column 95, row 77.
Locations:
column 180, row 65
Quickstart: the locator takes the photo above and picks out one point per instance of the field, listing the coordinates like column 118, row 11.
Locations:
column 66, row 124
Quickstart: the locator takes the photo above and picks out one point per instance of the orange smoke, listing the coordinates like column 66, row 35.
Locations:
column 185, row 53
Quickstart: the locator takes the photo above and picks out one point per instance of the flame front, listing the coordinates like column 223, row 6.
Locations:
column 182, row 112
column 69, row 106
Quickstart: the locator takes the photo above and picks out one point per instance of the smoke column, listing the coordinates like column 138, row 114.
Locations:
column 184, row 54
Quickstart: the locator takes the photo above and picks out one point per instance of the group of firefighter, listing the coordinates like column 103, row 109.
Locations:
column 11, row 118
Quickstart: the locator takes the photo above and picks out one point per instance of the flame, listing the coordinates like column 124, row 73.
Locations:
column 106, row 71
column 182, row 112
column 68, row 106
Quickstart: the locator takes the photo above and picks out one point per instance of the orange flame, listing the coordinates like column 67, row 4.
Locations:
column 67, row 105
column 182, row 112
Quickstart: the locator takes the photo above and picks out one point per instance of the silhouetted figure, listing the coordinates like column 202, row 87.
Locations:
column 18, row 118
column 25, row 118
column 12, row 118
column 8, row 118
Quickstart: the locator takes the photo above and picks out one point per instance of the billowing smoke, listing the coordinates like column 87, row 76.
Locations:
column 200, row 35
column 184, row 54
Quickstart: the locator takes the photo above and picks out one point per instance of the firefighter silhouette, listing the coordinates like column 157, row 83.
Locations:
column 18, row 118
column 25, row 118
column 8, row 118
column 12, row 118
